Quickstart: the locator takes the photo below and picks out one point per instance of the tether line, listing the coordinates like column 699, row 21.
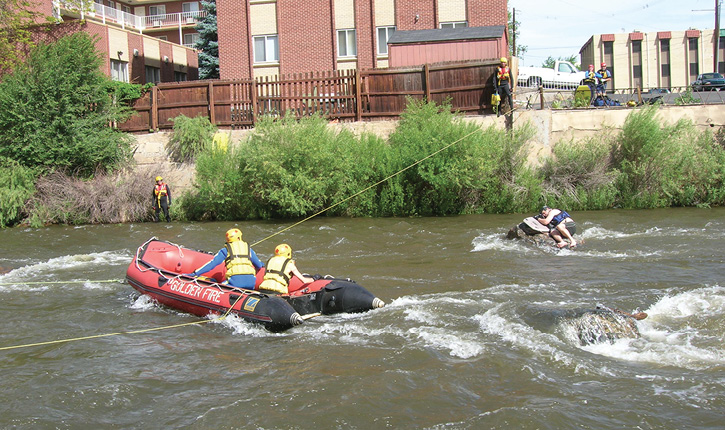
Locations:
column 52, row 342
column 120, row 281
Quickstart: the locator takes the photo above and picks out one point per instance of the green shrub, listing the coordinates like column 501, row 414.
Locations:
column 55, row 110
column 190, row 137
column 16, row 187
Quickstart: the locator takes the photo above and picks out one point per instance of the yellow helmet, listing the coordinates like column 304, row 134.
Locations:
column 159, row 178
column 234, row 234
column 504, row 60
column 283, row 250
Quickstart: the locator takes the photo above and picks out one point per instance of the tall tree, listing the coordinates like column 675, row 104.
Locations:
column 15, row 37
column 208, row 42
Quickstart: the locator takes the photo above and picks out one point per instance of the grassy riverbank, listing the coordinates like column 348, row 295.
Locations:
column 433, row 164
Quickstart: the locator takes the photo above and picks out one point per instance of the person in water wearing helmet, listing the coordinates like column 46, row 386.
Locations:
column 161, row 199
column 502, row 85
column 241, row 261
column 560, row 224
column 280, row 269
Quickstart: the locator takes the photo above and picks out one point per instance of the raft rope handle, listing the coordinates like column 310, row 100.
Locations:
column 5, row 348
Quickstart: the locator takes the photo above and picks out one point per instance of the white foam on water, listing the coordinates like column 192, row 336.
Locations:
column 461, row 345
column 74, row 264
column 681, row 330
column 241, row 326
column 144, row 303
column 497, row 242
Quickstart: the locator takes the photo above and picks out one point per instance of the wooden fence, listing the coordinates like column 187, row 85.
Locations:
column 348, row 95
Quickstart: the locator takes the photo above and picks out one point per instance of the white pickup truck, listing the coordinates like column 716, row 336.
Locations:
column 563, row 75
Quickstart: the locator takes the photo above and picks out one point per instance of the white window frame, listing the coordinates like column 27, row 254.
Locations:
column 194, row 38
column 190, row 6
column 453, row 24
column 383, row 44
column 119, row 70
column 270, row 53
column 347, row 43
column 154, row 75
column 160, row 9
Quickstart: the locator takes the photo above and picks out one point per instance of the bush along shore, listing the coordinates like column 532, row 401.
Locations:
column 434, row 163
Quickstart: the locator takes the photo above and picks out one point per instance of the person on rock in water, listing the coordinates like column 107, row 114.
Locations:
column 560, row 224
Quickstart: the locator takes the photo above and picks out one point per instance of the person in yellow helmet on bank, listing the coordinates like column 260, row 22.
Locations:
column 502, row 85
column 161, row 199
column 280, row 269
column 241, row 261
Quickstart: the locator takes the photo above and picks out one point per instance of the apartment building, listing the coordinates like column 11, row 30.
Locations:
column 259, row 38
column 662, row 59
column 145, row 41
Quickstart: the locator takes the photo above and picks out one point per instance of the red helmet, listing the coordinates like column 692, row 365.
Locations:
column 604, row 64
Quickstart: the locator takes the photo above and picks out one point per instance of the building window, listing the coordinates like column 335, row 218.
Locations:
column 190, row 7
column 457, row 24
column 119, row 71
column 153, row 74
column 165, row 38
column 384, row 34
column 665, row 63
column 721, row 55
column 346, row 43
column 637, row 63
column 157, row 10
column 693, row 56
column 179, row 76
column 190, row 39
column 609, row 59
column 266, row 49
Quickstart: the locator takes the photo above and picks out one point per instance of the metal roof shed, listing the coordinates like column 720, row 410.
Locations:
column 417, row 47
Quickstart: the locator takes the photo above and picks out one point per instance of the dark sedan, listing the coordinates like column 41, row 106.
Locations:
column 709, row 82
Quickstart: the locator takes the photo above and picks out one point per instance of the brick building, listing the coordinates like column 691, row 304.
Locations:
column 260, row 38
column 660, row 59
column 144, row 41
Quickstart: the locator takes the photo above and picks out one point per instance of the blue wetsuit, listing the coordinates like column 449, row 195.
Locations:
column 239, row 281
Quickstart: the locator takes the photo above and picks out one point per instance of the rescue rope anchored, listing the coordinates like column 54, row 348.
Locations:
column 228, row 311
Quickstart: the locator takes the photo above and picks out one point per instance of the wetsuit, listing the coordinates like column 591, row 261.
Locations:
column 502, row 84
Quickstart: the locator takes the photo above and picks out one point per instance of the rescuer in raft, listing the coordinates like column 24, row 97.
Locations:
column 241, row 261
column 280, row 269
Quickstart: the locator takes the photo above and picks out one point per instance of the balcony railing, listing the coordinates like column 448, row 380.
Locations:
column 108, row 14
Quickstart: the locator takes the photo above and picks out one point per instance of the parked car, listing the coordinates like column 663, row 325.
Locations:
column 658, row 91
column 563, row 75
column 709, row 82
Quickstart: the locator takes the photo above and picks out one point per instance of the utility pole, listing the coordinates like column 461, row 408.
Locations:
column 716, row 39
column 513, row 42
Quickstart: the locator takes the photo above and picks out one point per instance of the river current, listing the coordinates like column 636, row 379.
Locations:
column 471, row 336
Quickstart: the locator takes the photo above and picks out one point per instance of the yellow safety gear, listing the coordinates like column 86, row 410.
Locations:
column 237, row 261
column 234, row 234
column 495, row 99
column 503, row 75
column 589, row 77
column 276, row 277
column 159, row 178
column 283, row 250
column 504, row 60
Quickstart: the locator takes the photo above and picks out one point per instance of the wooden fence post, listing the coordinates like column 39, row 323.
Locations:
column 154, row 108
column 254, row 101
column 426, row 81
column 358, row 101
column 541, row 96
column 210, row 95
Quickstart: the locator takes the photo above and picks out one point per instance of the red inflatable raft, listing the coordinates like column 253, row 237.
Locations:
column 157, row 268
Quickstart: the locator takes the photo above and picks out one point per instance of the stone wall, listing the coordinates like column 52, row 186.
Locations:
column 552, row 127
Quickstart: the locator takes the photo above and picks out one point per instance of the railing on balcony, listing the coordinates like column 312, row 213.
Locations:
column 128, row 20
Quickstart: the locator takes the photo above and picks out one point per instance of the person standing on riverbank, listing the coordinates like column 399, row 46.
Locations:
column 161, row 199
column 502, row 86
column 560, row 224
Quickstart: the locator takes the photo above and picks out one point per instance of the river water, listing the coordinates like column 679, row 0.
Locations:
column 471, row 337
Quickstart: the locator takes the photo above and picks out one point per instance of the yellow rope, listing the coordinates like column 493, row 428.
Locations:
column 254, row 244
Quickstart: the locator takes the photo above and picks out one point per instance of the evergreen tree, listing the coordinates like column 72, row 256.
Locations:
column 208, row 44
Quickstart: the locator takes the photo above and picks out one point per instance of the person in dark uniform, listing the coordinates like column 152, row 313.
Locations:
column 161, row 199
